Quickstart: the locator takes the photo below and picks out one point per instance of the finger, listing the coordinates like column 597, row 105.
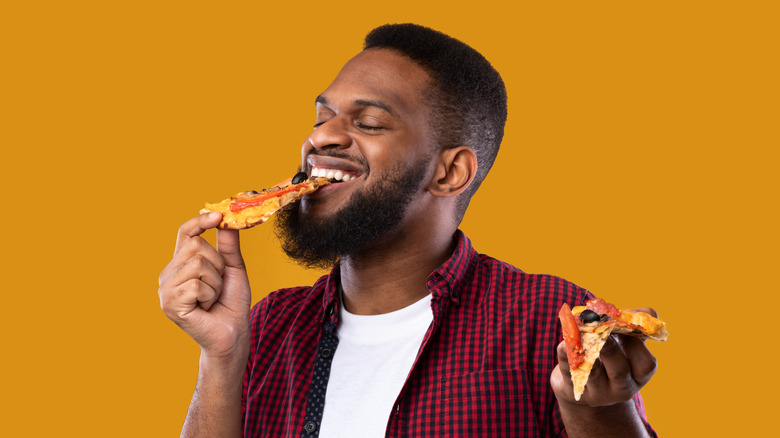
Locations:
column 647, row 310
column 199, row 246
column 560, row 379
column 194, row 247
column 195, row 227
column 185, row 299
column 198, row 267
column 229, row 247
column 563, row 360
column 643, row 364
column 561, row 383
column 614, row 362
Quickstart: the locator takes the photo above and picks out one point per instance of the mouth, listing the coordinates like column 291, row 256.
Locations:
column 337, row 170
column 335, row 175
column 342, row 173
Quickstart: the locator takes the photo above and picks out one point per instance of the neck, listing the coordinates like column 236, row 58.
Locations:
column 393, row 273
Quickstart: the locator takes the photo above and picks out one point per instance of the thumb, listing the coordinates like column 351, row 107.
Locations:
column 650, row 311
column 229, row 247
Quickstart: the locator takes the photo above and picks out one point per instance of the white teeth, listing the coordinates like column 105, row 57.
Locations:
column 331, row 174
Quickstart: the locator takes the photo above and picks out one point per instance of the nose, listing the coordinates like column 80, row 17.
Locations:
column 333, row 134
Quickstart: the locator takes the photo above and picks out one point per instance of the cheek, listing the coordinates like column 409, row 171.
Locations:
column 400, row 151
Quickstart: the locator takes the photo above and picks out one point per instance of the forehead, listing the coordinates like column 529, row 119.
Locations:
column 381, row 74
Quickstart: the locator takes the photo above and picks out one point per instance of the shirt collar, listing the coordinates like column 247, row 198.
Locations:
column 446, row 280
column 443, row 283
column 330, row 303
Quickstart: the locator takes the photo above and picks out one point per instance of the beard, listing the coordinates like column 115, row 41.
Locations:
column 369, row 215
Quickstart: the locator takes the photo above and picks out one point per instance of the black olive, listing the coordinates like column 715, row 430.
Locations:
column 589, row 316
column 300, row 177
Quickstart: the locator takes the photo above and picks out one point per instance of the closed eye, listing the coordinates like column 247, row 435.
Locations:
column 368, row 127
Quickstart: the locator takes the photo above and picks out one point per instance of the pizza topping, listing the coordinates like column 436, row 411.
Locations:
column 626, row 327
column 588, row 316
column 241, row 204
column 300, row 177
column 571, row 336
column 602, row 308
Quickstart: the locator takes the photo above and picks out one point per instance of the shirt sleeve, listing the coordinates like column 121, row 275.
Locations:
column 640, row 407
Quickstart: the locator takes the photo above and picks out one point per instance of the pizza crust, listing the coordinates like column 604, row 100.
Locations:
column 650, row 327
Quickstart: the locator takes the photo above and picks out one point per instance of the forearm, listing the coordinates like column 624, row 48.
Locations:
column 215, row 409
column 619, row 420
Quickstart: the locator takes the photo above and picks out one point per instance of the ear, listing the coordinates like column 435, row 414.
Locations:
column 454, row 172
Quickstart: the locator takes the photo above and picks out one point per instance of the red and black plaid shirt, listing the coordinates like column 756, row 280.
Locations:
column 483, row 368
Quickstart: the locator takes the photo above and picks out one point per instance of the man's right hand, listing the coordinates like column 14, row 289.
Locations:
column 205, row 291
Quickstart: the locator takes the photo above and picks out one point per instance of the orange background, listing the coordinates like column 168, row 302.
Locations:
column 640, row 157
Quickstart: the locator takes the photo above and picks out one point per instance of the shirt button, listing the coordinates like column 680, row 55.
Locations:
column 310, row 427
column 326, row 352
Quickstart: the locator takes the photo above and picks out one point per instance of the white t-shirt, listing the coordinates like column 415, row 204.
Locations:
column 372, row 361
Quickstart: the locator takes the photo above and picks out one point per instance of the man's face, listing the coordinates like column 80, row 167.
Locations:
column 372, row 131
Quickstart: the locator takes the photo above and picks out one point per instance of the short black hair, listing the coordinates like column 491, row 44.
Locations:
column 468, row 96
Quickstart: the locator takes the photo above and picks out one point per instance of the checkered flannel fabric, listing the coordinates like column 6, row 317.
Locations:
column 482, row 371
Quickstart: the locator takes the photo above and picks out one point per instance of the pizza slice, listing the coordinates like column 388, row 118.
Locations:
column 587, row 328
column 247, row 209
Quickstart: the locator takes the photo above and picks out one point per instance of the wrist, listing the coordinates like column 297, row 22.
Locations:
column 584, row 410
column 619, row 419
column 222, row 369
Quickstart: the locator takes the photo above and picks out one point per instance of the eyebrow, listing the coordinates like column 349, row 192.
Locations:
column 361, row 103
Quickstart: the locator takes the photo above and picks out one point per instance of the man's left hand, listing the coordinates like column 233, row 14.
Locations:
column 624, row 366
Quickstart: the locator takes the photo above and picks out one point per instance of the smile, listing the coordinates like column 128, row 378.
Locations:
column 334, row 174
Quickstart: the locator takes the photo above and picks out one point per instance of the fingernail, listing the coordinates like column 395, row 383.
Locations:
column 213, row 215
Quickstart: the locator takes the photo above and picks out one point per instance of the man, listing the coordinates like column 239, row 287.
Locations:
column 413, row 333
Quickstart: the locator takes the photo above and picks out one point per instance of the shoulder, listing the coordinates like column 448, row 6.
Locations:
column 496, row 276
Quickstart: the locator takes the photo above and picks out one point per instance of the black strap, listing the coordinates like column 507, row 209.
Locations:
column 319, row 381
